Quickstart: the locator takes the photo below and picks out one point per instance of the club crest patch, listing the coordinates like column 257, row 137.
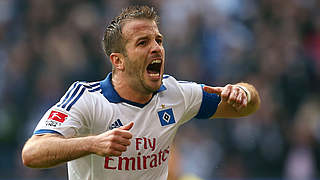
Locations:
column 166, row 117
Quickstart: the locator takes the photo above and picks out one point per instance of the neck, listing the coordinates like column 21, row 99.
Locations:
column 125, row 91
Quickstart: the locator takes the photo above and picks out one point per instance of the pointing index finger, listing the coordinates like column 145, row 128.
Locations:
column 216, row 90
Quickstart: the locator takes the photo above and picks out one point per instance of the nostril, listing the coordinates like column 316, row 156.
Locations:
column 156, row 49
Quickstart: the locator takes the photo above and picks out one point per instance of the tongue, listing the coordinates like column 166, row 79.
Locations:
column 152, row 72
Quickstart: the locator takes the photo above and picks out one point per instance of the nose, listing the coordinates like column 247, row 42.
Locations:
column 156, row 47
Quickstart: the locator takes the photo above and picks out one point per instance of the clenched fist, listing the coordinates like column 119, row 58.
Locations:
column 113, row 142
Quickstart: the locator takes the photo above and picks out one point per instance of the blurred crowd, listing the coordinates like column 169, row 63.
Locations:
column 274, row 45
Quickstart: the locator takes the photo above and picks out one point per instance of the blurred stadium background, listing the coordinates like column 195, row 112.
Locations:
column 275, row 45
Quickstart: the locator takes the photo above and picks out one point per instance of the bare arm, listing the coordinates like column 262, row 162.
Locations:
column 234, row 100
column 48, row 150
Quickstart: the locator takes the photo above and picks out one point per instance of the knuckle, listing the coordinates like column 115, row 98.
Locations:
column 126, row 143
column 112, row 132
column 224, row 94
column 124, row 148
column 111, row 144
column 112, row 137
column 242, row 92
column 238, row 100
column 116, row 132
column 120, row 148
column 236, row 88
column 232, row 98
column 117, row 153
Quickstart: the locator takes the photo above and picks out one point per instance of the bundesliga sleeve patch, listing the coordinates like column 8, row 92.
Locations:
column 56, row 119
column 166, row 117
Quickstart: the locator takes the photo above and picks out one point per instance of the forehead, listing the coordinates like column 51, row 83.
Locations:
column 139, row 27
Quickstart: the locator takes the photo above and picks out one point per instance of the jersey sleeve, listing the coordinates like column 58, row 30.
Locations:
column 199, row 104
column 209, row 104
column 68, row 116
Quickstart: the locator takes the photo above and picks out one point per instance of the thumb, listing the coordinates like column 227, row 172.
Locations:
column 210, row 89
column 127, row 126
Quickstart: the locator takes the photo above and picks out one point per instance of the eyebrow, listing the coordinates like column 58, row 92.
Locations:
column 142, row 38
column 146, row 37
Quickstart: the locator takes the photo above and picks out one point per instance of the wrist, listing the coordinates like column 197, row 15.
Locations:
column 89, row 144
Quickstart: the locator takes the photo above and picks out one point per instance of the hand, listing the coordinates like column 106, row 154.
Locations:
column 230, row 94
column 113, row 142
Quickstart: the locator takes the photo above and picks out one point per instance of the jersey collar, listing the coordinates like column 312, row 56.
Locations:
column 111, row 94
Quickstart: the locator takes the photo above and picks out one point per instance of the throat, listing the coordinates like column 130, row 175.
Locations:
column 128, row 93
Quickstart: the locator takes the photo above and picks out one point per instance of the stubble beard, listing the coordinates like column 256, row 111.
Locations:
column 137, row 80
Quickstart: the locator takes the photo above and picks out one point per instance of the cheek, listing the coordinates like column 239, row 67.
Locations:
column 163, row 53
column 134, row 65
column 137, row 60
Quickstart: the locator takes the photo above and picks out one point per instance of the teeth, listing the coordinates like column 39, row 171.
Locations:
column 155, row 74
column 156, row 61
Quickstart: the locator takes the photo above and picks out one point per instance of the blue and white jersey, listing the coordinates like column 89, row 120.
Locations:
column 94, row 108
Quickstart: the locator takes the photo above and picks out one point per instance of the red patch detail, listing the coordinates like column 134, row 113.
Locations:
column 58, row 116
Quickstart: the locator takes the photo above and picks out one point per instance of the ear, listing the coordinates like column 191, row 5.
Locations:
column 117, row 61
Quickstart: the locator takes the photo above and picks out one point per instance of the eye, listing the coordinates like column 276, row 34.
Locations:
column 142, row 43
column 159, row 41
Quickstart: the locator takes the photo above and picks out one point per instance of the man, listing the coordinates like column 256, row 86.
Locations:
column 122, row 127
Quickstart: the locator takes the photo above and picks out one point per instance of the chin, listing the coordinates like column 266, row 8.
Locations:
column 153, row 87
column 152, row 84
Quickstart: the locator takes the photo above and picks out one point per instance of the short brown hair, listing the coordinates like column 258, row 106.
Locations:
column 113, row 40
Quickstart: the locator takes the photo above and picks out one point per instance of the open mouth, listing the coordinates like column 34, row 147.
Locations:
column 154, row 68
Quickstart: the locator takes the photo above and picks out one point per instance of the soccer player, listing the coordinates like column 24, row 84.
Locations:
column 122, row 127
